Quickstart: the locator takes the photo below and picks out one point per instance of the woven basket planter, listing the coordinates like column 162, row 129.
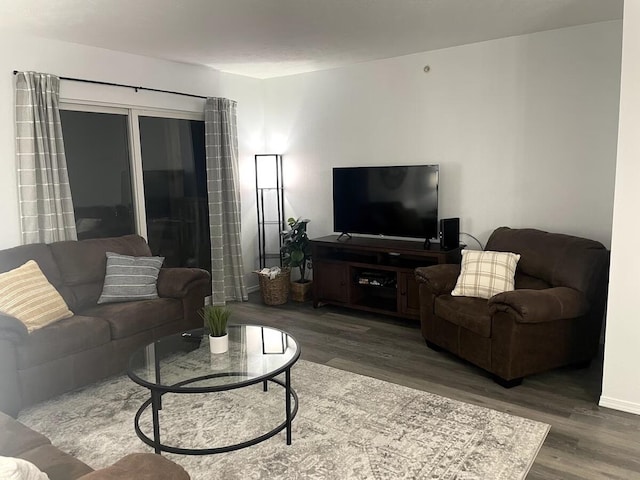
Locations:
column 301, row 292
column 275, row 291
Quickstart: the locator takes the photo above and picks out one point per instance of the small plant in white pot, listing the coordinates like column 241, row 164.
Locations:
column 215, row 321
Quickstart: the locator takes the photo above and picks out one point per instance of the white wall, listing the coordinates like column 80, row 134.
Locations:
column 621, row 380
column 71, row 60
column 524, row 129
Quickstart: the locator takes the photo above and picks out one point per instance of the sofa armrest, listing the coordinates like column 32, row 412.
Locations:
column 176, row 282
column 439, row 279
column 12, row 329
column 140, row 466
column 537, row 306
column 10, row 399
column 12, row 334
column 191, row 286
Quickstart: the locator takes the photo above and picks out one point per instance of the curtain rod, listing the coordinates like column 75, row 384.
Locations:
column 82, row 80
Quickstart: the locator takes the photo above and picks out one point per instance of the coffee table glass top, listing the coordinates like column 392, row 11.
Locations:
column 183, row 363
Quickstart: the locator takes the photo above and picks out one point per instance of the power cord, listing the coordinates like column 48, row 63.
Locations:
column 469, row 235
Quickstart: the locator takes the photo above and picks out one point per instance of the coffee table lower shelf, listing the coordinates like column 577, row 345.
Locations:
column 156, row 404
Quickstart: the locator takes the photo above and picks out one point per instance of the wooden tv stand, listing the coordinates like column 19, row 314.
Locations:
column 372, row 274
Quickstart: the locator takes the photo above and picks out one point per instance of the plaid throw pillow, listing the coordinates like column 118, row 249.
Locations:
column 485, row 274
column 130, row 278
column 26, row 294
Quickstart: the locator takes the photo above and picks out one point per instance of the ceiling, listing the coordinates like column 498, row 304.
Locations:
column 270, row 38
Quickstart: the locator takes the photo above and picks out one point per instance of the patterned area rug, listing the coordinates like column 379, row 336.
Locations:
column 348, row 427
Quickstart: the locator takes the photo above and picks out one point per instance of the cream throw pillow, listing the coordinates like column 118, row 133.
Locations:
column 26, row 294
column 12, row 468
column 485, row 274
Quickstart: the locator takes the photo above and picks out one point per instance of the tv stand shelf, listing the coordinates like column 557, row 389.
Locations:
column 372, row 274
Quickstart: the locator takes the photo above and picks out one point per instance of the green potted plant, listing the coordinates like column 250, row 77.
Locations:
column 215, row 319
column 296, row 253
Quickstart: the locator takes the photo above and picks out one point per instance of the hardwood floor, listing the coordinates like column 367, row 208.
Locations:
column 585, row 442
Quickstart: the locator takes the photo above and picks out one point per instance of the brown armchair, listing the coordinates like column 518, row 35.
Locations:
column 552, row 318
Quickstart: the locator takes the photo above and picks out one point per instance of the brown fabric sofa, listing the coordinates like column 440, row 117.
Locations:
column 18, row 440
column 552, row 318
column 97, row 341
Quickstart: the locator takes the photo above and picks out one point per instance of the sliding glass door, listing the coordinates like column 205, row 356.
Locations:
column 134, row 171
column 175, row 190
column 98, row 161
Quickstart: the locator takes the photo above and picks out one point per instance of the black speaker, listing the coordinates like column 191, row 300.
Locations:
column 449, row 233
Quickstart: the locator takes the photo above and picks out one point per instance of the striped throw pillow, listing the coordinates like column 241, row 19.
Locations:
column 485, row 274
column 26, row 294
column 130, row 278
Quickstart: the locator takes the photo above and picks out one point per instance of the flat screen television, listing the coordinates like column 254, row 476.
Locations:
column 400, row 201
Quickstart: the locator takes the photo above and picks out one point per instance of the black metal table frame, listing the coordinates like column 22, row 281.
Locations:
column 156, row 405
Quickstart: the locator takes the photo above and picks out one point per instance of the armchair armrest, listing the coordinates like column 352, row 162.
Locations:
column 176, row 282
column 536, row 306
column 439, row 279
column 12, row 329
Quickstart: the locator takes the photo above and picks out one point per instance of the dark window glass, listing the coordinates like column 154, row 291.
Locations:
column 97, row 151
column 175, row 190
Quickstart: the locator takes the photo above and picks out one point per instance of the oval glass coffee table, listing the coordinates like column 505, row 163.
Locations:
column 182, row 364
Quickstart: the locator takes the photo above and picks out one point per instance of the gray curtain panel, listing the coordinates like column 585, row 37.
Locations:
column 46, row 210
column 223, row 185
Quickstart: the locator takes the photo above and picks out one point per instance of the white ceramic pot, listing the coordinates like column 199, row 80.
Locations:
column 219, row 344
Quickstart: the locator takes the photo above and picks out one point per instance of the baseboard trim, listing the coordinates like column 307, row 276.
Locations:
column 622, row 405
column 253, row 288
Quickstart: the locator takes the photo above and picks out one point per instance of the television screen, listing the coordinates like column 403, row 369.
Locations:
column 397, row 201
